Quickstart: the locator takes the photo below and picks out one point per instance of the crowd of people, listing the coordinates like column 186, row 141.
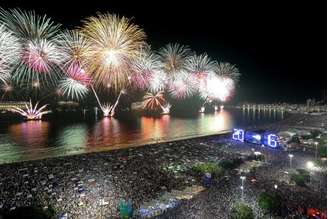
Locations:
column 91, row 185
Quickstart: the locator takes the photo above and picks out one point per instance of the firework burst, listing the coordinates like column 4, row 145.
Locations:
column 144, row 67
column 158, row 81
column 72, row 88
column 74, row 45
column 183, row 85
column 40, row 55
column 114, row 43
column 9, row 53
column 218, row 88
column 174, row 58
column 153, row 101
column 27, row 25
column 201, row 65
column 228, row 70
column 31, row 112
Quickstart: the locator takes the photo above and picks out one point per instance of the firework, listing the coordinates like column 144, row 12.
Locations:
column 219, row 88
column 166, row 109
column 201, row 65
column 107, row 108
column 73, row 88
column 26, row 25
column 76, row 73
column 9, row 53
column 158, row 81
column 174, row 58
column 74, row 45
column 153, row 101
column 40, row 55
column 31, row 112
column 226, row 69
column 144, row 67
column 6, row 89
column 183, row 85
column 114, row 43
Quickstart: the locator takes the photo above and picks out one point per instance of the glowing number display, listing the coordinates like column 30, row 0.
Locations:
column 272, row 140
column 238, row 135
column 255, row 137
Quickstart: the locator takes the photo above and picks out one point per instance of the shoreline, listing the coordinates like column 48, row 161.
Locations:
column 126, row 146
column 292, row 121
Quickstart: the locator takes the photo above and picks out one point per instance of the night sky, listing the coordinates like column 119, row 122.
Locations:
column 279, row 47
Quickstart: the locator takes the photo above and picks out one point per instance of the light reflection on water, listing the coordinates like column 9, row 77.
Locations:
column 38, row 139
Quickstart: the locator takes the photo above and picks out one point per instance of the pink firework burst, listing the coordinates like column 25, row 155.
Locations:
column 140, row 80
column 41, row 56
column 75, row 72
column 144, row 67
column 183, row 86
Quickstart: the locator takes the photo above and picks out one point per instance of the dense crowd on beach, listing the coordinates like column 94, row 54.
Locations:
column 87, row 185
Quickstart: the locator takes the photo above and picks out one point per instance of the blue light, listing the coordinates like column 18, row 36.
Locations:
column 238, row 135
column 256, row 137
column 253, row 137
column 272, row 140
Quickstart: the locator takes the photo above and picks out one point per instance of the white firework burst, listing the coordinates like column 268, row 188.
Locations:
column 219, row 88
column 26, row 25
column 144, row 67
column 158, row 81
column 183, row 86
column 74, row 47
column 226, row 69
column 10, row 49
column 73, row 89
column 31, row 112
column 174, row 58
column 201, row 65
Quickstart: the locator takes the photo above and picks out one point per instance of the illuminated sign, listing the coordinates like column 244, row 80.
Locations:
column 256, row 137
column 238, row 135
column 253, row 137
column 272, row 140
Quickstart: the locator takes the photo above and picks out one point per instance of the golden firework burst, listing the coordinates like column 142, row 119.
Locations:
column 115, row 41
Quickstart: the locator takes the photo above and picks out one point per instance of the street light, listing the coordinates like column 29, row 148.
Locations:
column 290, row 160
column 310, row 166
column 275, row 186
column 242, row 187
column 316, row 150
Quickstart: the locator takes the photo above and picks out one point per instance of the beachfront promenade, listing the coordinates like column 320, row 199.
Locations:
column 291, row 108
